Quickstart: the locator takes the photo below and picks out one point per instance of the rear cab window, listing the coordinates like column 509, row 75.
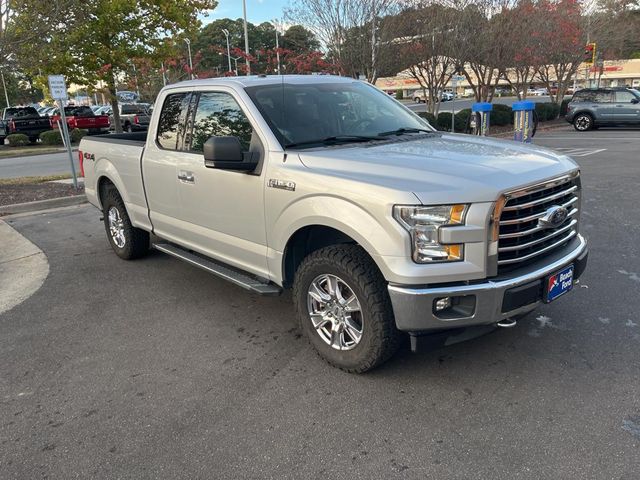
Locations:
column 172, row 119
column 20, row 112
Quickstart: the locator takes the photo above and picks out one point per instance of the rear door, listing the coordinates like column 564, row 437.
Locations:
column 603, row 106
column 627, row 110
column 159, row 166
column 222, row 210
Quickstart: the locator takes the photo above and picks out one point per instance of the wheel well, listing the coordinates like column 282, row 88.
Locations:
column 103, row 184
column 584, row 112
column 305, row 241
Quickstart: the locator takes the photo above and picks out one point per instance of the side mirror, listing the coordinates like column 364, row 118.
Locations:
column 635, row 100
column 226, row 153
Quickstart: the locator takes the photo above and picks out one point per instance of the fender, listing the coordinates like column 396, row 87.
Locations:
column 343, row 215
column 137, row 210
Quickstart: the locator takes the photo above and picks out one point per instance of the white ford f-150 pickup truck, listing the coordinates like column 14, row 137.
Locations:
column 328, row 186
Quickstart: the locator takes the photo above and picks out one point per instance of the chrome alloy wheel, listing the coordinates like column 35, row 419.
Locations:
column 335, row 312
column 583, row 122
column 116, row 227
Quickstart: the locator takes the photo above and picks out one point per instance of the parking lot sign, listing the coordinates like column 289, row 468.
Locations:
column 58, row 90
column 57, row 87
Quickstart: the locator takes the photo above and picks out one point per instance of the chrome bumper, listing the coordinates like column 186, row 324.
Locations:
column 414, row 307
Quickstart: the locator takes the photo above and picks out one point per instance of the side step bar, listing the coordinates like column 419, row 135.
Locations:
column 242, row 279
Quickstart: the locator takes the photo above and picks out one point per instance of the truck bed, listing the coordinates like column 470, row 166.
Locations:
column 125, row 138
column 119, row 153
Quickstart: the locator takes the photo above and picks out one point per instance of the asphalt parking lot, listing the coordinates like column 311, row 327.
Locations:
column 154, row 369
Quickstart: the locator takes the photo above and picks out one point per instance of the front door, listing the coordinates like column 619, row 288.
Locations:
column 222, row 210
column 627, row 108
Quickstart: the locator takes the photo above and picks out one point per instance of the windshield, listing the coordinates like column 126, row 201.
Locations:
column 308, row 114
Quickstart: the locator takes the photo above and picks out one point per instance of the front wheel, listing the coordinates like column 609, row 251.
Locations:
column 126, row 240
column 344, row 308
column 583, row 122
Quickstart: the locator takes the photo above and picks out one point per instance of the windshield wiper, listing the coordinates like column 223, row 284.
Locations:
column 402, row 131
column 335, row 140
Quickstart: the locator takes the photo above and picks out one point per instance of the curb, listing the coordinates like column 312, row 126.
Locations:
column 42, row 204
column 540, row 129
column 3, row 157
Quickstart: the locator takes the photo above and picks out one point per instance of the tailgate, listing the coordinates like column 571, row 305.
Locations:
column 92, row 122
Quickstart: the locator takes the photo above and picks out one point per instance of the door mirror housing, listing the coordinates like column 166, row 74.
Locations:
column 226, row 153
column 635, row 100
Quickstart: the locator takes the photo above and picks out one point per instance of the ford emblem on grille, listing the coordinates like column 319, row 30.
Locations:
column 553, row 217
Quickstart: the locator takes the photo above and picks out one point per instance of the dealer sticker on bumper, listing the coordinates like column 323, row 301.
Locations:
column 559, row 283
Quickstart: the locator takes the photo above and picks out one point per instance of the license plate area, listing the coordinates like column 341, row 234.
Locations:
column 557, row 284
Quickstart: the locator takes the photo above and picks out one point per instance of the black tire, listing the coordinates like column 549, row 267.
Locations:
column 136, row 241
column 379, row 338
column 417, row 100
column 583, row 122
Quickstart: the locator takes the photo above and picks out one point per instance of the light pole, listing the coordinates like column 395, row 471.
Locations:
column 188, row 42
column 277, row 49
column 246, row 35
column 226, row 34
column 4, row 85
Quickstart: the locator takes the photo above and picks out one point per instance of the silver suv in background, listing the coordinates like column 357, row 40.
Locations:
column 599, row 107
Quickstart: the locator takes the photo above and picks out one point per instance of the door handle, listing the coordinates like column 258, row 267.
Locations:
column 187, row 177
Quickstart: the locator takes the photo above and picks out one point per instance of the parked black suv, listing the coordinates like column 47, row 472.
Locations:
column 595, row 107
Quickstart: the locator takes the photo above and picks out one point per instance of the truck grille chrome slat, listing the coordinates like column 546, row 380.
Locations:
column 536, row 216
column 524, row 231
column 572, row 234
column 542, row 200
column 554, row 233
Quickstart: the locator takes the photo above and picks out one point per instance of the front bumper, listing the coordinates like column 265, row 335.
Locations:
column 494, row 300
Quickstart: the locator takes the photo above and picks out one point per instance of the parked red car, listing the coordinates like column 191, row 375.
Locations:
column 82, row 117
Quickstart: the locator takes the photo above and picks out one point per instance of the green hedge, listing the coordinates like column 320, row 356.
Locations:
column 18, row 140
column 443, row 122
column 399, row 94
column 429, row 117
column 51, row 137
column 76, row 134
column 547, row 111
column 501, row 115
column 463, row 116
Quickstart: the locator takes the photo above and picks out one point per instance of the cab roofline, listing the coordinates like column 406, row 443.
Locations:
column 255, row 80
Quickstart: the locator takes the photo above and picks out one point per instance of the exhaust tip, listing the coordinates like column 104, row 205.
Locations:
column 507, row 323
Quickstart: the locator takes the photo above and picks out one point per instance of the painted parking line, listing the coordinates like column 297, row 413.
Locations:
column 579, row 152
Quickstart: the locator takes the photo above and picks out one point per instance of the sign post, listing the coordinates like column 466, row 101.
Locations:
column 58, row 89
column 454, row 87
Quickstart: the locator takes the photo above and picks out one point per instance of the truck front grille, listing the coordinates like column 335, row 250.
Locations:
column 523, row 238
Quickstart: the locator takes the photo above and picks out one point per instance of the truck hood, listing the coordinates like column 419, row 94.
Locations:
column 447, row 168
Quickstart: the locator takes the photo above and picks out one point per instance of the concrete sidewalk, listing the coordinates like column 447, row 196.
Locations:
column 23, row 268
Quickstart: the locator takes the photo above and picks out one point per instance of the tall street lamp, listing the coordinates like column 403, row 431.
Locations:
column 188, row 42
column 277, row 46
column 246, row 36
column 226, row 34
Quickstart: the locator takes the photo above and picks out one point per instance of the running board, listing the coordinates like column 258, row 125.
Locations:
column 242, row 279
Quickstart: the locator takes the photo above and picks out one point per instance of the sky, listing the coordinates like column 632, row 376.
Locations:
column 258, row 11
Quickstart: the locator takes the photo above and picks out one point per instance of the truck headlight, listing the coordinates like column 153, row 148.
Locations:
column 423, row 223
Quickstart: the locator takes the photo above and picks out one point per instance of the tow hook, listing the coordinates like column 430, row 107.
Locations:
column 507, row 323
